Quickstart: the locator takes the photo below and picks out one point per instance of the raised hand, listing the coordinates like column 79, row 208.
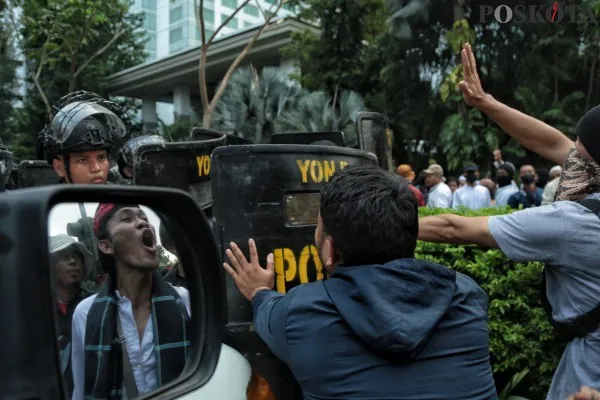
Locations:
column 249, row 277
column 470, row 86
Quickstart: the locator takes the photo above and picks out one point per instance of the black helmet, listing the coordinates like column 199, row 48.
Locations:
column 128, row 150
column 7, row 163
column 83, row 121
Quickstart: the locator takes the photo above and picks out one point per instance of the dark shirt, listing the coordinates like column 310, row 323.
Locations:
column 64, row 317
column 527, row 199
column 418, row 195
column 409, row 330
column 174, row 278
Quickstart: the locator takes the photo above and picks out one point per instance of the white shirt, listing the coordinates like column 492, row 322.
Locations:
column 473, row 197
column 141, row 355
column 550, row 191
column 440, row 196
column 504, row 193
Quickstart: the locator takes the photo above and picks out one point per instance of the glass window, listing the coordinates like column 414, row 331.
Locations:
column 151, row 44
column 209, row 16
column 207, row 32
column 251, row 10
column 231, row 24
column 150, row 21
column 176, row 35
column 229, row 3
column 176, row 14
column 248, row 24
column 151, row 4
column 289, row 7
column 273, row 2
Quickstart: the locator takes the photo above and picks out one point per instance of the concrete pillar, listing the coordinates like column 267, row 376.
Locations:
column 291, row 65
column 149, row 118
column 182, row 102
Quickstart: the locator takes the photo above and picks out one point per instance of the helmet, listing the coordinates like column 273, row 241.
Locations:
column 83, row 121
column 129, row 149
column 7, row 163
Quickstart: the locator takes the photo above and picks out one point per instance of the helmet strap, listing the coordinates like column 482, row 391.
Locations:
column 67, row 166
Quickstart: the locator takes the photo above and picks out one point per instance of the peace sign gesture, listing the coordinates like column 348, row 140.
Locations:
column 471, row 86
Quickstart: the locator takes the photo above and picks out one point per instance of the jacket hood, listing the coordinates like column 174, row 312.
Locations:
column 395, row 307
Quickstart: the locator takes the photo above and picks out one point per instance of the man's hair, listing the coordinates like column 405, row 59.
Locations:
column 107, row 261
column 371, row 214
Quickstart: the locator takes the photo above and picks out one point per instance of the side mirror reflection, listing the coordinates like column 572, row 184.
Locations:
column 122, row 312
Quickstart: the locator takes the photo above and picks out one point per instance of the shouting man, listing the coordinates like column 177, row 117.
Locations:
column 132, row 336
column 384, row 325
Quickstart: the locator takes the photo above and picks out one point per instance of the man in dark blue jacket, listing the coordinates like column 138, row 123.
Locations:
column 384, row 325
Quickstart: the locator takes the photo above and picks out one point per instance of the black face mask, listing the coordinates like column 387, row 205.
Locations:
column 503, row 180
column 527, row 179
column 471, row 178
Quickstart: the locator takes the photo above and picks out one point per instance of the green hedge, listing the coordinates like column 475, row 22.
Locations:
column 520, row 335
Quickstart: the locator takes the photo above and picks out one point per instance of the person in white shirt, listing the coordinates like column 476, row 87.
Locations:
column 506, row 186
column 440, row 195
column 472, row 195
column 552, row 186
column 133, row 336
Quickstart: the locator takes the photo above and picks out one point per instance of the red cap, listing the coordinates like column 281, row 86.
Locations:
column 103, row 211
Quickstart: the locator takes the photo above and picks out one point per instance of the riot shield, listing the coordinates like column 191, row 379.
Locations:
column 180, row 165
column 271, row 193
column 375, row 136
column 308, row 138
column 201, row 134
column 36, row 173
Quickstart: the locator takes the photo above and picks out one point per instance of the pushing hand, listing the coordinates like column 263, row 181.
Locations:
column 249, row 277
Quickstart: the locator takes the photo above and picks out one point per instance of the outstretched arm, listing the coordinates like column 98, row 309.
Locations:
column 531, row 133
column 454, row 229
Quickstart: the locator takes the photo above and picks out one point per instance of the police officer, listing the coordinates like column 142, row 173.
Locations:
column 82, row 131
column 7, row 164
column 127, row 154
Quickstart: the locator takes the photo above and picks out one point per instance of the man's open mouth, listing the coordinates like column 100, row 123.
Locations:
column 148, row 239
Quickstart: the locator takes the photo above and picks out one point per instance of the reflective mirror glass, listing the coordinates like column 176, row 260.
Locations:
column 122, row 304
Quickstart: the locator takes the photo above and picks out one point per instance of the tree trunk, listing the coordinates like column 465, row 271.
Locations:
column 207, row 117
column 458, row 9
column 73, row 72
column 592, row 76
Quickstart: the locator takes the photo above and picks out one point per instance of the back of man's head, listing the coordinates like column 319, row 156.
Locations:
column 371, row 215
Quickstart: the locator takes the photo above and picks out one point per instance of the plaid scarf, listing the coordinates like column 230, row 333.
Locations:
column 103, row 354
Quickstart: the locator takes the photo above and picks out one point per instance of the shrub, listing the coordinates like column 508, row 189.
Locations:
column 521, row 336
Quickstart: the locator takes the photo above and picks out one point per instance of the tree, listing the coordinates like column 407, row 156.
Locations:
column 336, row 58
column 252, row 102
column 208, row 105
column 72, row 45
column 317, row 112
column 8, row 76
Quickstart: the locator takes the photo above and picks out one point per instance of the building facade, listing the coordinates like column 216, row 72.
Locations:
column 171, row 25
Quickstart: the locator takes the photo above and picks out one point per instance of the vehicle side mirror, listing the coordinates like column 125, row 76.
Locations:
column 124, row 222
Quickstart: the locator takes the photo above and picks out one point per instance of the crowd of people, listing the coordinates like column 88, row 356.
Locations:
column 534, row 186
column 384, row 324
